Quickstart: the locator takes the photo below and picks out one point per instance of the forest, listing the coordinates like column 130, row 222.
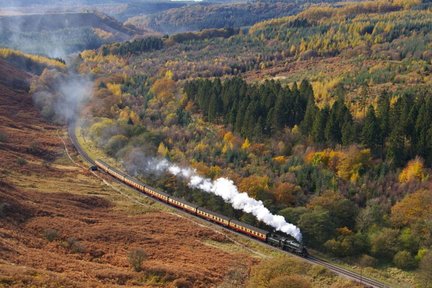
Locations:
column 399, row 129
column 325, row 116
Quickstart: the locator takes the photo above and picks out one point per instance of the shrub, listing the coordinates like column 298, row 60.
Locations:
column 35, row 148
column 136, row 257
column 21, row 161
column 3, row 207
column 3, row 137
column 51, row 234
column 74, row 245
column 404, row 260
column 367, row 261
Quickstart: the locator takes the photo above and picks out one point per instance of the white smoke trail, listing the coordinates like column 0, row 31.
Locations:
column 226, row 189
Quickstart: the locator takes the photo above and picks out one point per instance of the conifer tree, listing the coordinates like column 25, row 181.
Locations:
column 319, row 124
column 371, row 133
column 395, row 150
column 310, row 114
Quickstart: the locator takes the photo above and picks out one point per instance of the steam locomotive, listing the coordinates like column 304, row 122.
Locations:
column 275, row 239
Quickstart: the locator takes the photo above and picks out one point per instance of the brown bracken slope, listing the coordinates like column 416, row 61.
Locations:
column 61, row 226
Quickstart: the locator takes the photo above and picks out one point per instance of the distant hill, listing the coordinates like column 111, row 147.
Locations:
column 221, row 14
column 206, row 15
column 57, row 35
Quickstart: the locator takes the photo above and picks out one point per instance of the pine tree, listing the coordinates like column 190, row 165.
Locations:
column 348, row 133
column 319, row 125
column 371, row 133
column 395, row 150
column 383, row 114
column 310, row 114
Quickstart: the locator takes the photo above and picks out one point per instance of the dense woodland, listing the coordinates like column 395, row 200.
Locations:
column 398, row 129
column 337, row 140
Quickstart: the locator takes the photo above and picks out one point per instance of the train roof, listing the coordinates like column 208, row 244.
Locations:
column 159, row 191
column 214, row 213
column 112, row 168
column 133, row 179
column 184, row 201
column 250, row 227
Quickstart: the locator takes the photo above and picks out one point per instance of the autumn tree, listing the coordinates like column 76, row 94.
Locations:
column 414, row 171
column 414, row 208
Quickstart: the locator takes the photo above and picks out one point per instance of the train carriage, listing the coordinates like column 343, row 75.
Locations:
column 158, row 194
column 110, row 170
column 212, row 216
column 248, row 229
column 180, row 203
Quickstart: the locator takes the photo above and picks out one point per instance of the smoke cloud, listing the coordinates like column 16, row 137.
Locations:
column 60, row 96
column 229, row 192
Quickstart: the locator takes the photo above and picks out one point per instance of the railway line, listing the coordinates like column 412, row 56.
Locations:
column 368, row 282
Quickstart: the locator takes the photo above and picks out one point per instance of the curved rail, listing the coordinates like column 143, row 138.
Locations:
column 368, row 282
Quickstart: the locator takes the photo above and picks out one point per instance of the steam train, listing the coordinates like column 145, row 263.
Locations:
column 272, row 238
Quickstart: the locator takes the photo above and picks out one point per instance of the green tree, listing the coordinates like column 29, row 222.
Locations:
column 404, row 260
column 317, row 227
column 371, row 133
column 319, row 124
column 396, row 148
column 308, row 120
column 385, row 244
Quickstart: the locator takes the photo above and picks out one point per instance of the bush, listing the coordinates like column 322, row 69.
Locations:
column 3, row 207
column 74, row 245
column 51, row 234
column 35, row 149
column 404, row 260
column 3, row 137
column 136, row 257
column 21, row 161
column 367, row 261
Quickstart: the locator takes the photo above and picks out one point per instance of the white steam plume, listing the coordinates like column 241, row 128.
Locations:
column 226, row 189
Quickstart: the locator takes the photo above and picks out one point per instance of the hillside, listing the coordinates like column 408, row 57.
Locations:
column 206, row 15
column 218, row 14
column 57, row 35
column 62, row 226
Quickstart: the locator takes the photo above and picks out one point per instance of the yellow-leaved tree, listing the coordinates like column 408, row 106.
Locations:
column 413, row 208
column 353, row 162
column 162, row 150
column 414, row 171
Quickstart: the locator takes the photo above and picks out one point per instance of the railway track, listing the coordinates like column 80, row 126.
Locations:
column 368, row 282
